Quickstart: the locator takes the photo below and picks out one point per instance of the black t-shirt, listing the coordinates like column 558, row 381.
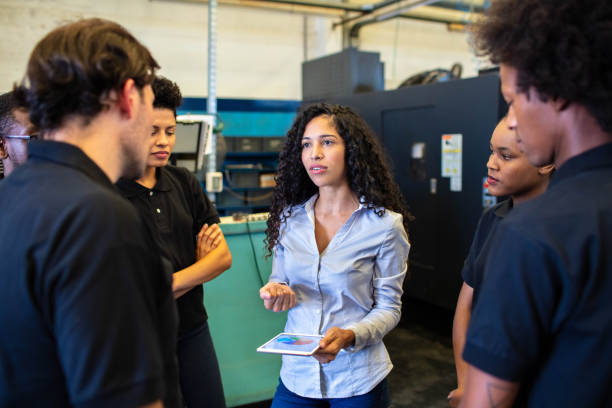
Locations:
column 178, row 208
column 544, row 317
column 87, row 315
column 472, row 272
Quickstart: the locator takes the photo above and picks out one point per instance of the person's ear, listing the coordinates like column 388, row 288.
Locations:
column 3, row 149
column 561, row 104
column 127, row 98
column 546, row 170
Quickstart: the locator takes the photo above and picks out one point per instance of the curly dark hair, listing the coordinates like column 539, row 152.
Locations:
column 167, row 94
column 73, row 68
column 560, row 48
column 7, row 116
column 367, row 172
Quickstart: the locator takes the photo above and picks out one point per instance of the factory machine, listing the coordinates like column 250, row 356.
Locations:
column 437, row 137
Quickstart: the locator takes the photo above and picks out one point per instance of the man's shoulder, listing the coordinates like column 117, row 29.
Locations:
column 71, row 196
column 562, row 219
column 573, row 201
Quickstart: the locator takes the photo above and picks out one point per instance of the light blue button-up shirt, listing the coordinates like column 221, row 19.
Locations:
column 355, row 284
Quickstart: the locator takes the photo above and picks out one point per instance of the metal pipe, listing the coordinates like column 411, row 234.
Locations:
column 354, row 33
column 374, row 7
column 316, row 3
column 211, row 99
column 381, row 4
column 305, row 37
column 454, row 5
column 443, row 5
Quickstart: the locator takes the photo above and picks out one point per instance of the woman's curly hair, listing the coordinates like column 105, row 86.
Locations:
column 366, row 169
column 167, row 94
column 560, row 48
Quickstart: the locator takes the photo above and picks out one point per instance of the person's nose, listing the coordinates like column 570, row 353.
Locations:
column 492, row 163
column 317, row 152
column 162, row 139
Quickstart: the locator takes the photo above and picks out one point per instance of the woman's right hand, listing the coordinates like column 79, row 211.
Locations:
column 277, row 296
column 454, row 398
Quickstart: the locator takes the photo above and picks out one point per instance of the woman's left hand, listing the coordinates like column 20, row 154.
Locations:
column 208, row 239
column 334, row 340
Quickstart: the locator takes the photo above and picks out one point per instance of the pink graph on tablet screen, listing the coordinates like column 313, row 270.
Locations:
column 295, row 341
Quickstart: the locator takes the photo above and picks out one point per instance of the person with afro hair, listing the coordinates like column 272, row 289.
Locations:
column 541, row 331
column 185, row 225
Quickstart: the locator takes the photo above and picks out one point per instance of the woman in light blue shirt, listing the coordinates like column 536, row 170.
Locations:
column 338, row 231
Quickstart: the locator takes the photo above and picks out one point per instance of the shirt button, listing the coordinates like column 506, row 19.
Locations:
column 158, row 211
column 150, row 193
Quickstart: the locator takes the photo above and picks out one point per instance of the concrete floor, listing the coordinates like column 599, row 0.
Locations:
column 424, row 369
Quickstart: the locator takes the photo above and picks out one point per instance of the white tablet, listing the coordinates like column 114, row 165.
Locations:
column 291, row 343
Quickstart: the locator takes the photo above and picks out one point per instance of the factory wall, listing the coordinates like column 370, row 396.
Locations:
column 259, row 53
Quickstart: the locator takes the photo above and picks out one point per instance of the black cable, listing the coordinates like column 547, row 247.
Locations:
column 253, row 251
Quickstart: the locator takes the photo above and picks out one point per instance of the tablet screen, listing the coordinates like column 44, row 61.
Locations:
column 290, row 343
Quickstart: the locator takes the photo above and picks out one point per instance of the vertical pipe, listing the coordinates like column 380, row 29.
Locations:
column 211, row 99
column 305, row 37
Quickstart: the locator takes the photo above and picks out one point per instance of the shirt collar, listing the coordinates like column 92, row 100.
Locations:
column 68, row 155
column 131, row 188
column 598, row 157
column 309, row 206
column 504, row 208
column 163, row 182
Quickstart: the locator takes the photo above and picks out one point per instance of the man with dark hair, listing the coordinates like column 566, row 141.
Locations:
column 88, row 317
column 541, row 332
column 14, row 137
column 172, row 201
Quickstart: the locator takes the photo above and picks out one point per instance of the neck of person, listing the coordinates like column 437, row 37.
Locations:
column 529, row 194
column 98, row 137
column 149, row 178
column 583, row 133
column 336, row 200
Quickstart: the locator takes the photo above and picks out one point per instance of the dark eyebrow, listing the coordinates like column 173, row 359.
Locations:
column 322, row 136
column 499, row 148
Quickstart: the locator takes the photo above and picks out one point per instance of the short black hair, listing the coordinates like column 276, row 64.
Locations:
column 7, row 117
column 560, row 48
column 167, row 94
column 74, row 67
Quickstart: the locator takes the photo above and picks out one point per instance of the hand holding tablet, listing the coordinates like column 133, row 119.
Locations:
column 291, row 343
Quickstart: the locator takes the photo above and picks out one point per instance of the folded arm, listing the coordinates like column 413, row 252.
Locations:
column 214, row 258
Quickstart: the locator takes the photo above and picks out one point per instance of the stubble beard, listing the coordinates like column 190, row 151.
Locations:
column 133, row 155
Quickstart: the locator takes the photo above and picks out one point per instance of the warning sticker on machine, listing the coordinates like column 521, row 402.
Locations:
column 452, row 153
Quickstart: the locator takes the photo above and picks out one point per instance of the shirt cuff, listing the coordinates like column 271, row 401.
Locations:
column 280, row 282
column 501, row 367
column 359, row 338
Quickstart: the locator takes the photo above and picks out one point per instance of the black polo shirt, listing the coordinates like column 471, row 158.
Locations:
column 87, row 316
column 178, row 208
column 544, row 317
column 472, row 272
